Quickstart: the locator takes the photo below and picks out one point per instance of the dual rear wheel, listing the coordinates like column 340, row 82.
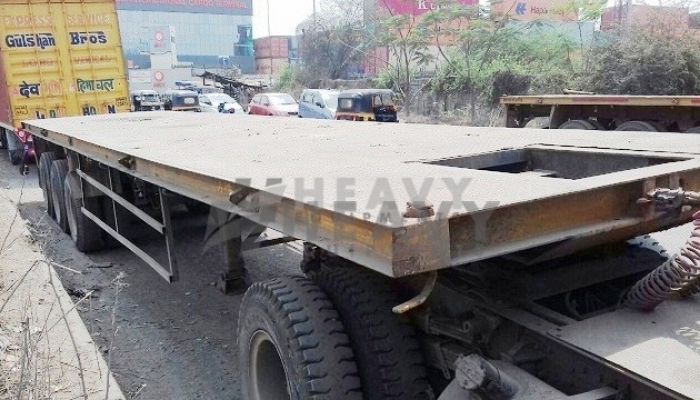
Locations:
column 328, row 336
column 63, row 200
column 636, row 126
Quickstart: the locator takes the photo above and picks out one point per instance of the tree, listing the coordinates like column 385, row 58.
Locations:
column 332, row 41
column 644, row 61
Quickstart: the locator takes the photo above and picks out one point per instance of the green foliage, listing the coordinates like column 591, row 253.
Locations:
column 287, row 79
column 644, row 62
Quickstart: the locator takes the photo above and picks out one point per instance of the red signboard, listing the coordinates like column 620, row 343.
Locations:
column 417, row 7
column 229, row 7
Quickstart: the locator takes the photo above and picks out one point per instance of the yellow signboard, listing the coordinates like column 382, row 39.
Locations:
column 60, row 58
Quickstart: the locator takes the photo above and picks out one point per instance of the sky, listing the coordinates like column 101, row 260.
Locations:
column 285, row 15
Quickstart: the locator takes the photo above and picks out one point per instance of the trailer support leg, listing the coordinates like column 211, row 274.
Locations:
column 233, row 279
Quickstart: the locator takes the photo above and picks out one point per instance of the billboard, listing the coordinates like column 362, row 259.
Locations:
column 162, row 38
column 532, row 10
column 417, row 7
column 226, row 7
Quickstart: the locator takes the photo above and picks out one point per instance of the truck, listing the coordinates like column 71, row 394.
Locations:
column 444, row 263
column 604, row 112
column 57, row 58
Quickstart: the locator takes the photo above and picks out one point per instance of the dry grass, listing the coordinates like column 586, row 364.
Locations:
column 31, row 366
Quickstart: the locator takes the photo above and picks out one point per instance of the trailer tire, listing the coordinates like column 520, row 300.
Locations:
column 45, row 162
column 292, row 344
column 578, row 124
column 59, row 170
column 640, row 126
column 388, row 353
column 14, row 154
column 86, row 235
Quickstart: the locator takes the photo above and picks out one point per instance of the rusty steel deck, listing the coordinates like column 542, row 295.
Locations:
column 344, row 186
column 603, row 100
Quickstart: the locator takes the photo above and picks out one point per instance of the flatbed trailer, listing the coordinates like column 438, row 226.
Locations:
column 604, row 112
column 439, row 262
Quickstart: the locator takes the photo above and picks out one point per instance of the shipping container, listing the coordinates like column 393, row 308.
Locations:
column 272, row 47
column 57, row 58
column 271, row 66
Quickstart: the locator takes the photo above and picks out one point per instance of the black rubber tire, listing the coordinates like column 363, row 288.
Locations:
column 86, row 235
column 538, row 123
column 313, row 351
column 388, row 353
column 15, row 156
column 59, row 170
column 3, row 139
column 578, row 124
column 45, row 162
column 693, row 130
column 639, row 126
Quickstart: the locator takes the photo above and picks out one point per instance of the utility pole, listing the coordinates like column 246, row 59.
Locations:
column 269, row 40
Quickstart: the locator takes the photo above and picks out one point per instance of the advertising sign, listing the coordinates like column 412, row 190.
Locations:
column 532, row 10
column 227, row 7
column 161, row 39
column 417, row 7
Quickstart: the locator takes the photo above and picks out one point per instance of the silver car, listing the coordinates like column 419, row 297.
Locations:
column 219, row 102
column 318, row 103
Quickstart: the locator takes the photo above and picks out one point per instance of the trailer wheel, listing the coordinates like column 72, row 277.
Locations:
column 45, row 162
column 59, row 170
column 15, row 150
column 292, row 344
column 640, row 126
column 86, row 235
column 389, row 356
column 578, row 124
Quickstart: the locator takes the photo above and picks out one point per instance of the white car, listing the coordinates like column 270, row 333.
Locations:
column 219, row 102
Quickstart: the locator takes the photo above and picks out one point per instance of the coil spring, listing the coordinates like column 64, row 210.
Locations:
column 678, row 276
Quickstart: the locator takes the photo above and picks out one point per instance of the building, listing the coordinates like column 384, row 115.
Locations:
column 210, row 34
column 275, row 53
column 675, row 20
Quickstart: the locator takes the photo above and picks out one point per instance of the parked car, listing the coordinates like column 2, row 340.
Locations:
column 145, row 100
column 181, row 100
column 321, row 104
column 367, row 105
column 279, row 104
column 219, row 102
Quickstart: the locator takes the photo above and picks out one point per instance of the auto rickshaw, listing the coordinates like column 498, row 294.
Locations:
column 366, row 105
column 145, row 100
column 181, row 100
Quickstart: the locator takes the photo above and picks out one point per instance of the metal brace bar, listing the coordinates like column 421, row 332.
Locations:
column 114, row 205
column 596, row 394
column 267, row 243
column 131, row 246
column 150, row 221
column 168, row 232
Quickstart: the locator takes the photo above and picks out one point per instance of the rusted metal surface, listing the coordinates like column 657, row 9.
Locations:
column 266, row 169
column 604, row 100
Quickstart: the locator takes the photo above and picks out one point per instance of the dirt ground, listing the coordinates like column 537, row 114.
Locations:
column 172, row 341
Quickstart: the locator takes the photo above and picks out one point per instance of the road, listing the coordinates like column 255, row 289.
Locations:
column 172, row 341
